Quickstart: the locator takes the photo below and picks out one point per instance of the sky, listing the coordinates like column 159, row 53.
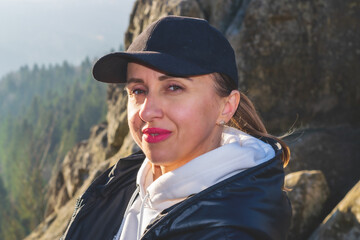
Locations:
column 52, row 31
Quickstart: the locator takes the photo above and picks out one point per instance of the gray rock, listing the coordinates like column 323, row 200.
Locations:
column 308, row 192
column 116, row 118
column 343, row 223
column 76, row 168
column 300, row 59
column 334, row 151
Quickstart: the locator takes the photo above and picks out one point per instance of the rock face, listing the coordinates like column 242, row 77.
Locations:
column 308, row 192
column 76, row 168
column 334, row 151
column 116, row 118
column 296, row 60
column 344, row 221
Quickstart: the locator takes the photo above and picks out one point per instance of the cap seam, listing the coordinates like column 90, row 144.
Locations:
column 151, row 34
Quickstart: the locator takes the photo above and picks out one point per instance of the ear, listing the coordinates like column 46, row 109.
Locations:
column 230, row 106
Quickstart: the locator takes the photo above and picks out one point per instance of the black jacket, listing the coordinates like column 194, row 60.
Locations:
column 248, row 205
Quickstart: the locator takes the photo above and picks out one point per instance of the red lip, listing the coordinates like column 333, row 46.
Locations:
column 155, row 135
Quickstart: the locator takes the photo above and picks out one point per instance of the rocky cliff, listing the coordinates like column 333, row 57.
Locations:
column 298, row 61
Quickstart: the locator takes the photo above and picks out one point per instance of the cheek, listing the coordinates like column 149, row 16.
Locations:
column 198, row 113
column 132, row 111
column 134, row 121
column 131, row 114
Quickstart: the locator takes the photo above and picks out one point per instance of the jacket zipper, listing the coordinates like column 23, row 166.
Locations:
column 132, row 199
column 78, row 203
column 78, row 214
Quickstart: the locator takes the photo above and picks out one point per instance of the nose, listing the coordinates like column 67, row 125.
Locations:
column 150, row 109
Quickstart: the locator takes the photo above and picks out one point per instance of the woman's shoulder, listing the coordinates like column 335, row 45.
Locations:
column 105, row 200
column 119, row 172
column 132, row 162
column 260, row 186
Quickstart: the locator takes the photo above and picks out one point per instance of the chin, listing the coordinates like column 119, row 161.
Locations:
column 155, row 152
column 157, row 160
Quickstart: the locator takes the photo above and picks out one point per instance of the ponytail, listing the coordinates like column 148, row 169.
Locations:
column 246, row 117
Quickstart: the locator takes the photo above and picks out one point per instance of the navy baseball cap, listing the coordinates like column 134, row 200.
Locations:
column 178, row 46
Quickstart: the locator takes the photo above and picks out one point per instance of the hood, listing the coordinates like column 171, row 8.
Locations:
column 239, row 151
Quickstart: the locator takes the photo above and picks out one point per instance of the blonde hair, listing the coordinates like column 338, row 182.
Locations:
column 246, row 117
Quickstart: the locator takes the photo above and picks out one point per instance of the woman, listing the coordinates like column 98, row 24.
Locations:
column 207, row 169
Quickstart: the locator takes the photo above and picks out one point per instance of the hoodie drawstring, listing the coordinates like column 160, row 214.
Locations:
column 142, row 215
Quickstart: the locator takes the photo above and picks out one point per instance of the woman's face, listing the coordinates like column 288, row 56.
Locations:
column 172, row 119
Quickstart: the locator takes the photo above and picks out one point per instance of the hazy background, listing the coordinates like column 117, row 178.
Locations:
column 51, row 31
column 48, row 98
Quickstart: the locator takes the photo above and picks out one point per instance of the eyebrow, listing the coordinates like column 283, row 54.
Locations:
column 165, row 77
column 161, row 78
column 134, row 80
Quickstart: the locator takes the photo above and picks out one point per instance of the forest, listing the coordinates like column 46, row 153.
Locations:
column 44, row 112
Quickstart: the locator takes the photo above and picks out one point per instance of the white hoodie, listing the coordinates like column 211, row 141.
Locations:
column 239, row 151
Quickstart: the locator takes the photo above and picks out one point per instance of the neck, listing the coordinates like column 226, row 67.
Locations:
column 157, row 171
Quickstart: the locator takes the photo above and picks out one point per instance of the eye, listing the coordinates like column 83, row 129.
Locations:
column 174, row 87
column 137, row 91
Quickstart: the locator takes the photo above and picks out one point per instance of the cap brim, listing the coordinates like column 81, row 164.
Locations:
column 112, row 67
